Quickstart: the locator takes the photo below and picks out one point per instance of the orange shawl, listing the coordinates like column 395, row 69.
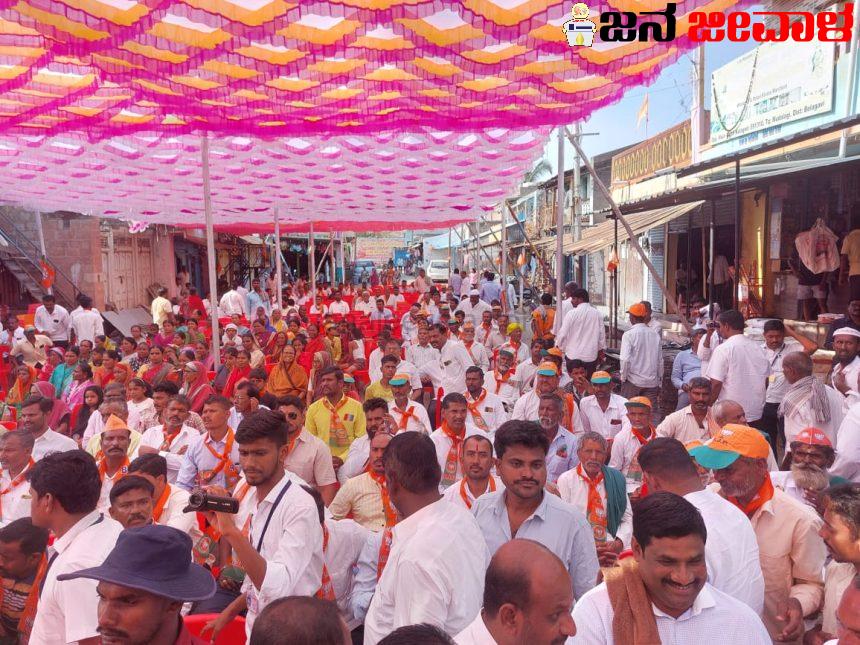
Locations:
column 289, row 380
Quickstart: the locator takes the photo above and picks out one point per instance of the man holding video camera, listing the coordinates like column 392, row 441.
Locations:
column 280, row 544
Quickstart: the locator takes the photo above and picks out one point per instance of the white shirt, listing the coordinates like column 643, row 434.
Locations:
column 356, row 459
column 345, row 541
column 154, row 438
column 609, row 422
column 452, row 493
column 574, row 491
column 232, row 303
column 341, row 308
column 318, row 310
column 475, row 634
column 54, row 325
column 87, row 325
column 96, row 424
column 443, row 445
column 491, row 410
column 16, row 503
column 173, row 515
column 68, row 611
column 778, row 386
column 526, row 409
column 715, row 617
column 365, row 306
column 524, row 375
column 847, row 462
column 851, row 372
column 508, row 391
column 403, row 367
column 435, row 573
column 52, row 441
column 449, row 372
column 474, row 313
column 641, row 356
column 625, row 447
column 291, row 546
column 803, row 417
column 740, row 364
column 421, row 355
column 418, row 422
column 480, row 355
column 731, row 550
column 582, row 334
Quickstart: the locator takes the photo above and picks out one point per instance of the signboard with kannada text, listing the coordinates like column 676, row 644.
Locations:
column 669, row 149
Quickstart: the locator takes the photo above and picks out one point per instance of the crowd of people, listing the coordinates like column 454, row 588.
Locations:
column 397, row 463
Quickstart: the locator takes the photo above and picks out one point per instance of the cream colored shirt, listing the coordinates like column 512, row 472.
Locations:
column 418, row 422
column 682, row 425
column 360, row 496
column 574, row 491
column 310, row 459
column 792, row 556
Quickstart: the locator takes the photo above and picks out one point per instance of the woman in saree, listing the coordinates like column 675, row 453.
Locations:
column 196, row 386
column 58, row 418
column 223, row 372
column 122, row 373
column 321, row 361
column 201, row 353
column 94, row 396
column 61, row 377
column 25, row 377
column 261, row 336
column 316, row 341
column 276, row 346
column 239, row 372
column 82, row 378
column 288, row 378
column 303, row 357
column 166, row 336
column 157, row 369
column 55, row 357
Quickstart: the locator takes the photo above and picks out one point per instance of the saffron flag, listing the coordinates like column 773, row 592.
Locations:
column 643, row 112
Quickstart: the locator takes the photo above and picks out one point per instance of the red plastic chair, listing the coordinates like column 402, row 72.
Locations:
column 232, row 634
column 362, row 375
column 9, row 425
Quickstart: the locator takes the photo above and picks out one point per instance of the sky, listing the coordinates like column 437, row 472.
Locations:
column 669, row 98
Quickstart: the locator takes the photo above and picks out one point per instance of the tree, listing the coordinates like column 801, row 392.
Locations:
column 540, row 169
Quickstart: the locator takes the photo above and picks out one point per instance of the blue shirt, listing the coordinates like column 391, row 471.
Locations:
column 491, row 291
column 561, row 456
column 258, row 300
column 685, row 368
column 557, row 525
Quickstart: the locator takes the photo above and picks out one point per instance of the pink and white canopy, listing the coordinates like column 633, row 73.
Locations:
column 352, row 182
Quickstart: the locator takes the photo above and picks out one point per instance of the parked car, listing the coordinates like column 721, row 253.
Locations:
column 437, row 270
column 361, row 270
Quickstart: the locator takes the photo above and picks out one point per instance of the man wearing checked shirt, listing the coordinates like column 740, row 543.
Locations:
column 335, row 418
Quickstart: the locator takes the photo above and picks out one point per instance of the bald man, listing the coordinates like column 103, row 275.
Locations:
column 528, row 597
column 727, row 411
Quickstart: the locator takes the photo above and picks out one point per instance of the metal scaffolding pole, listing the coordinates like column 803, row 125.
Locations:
column 737, row 280
column 543, row 265
column 210, row 249
column 559, row 231
column 279, row 270
column 504, row 263
column 312, row 264
column 632, row 237
column 449, row 255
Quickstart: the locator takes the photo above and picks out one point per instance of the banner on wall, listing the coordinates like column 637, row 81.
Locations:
column 774, row 84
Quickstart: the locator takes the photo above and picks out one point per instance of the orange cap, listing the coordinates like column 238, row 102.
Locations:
column 115, row 423
column 547, row 368
column 638, row 310
column 639, row 402
column 733, row 441
column 812, row 437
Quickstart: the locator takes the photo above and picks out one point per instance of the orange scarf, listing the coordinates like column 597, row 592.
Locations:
column 121, row 472
column 642, row 438
column 387, row 508
column 28, row 615
column 168, row 439
column 405, row 415
column 491, row 488
column 501, row 380
column 595, row 512
column 764, row 494
column 488, row 329
column 449, row 473
column 231, row 473
column 337, row 434
column 326, row 590
column 159, row 505
column 384, row 550
column 476, row 413
column 17, row 481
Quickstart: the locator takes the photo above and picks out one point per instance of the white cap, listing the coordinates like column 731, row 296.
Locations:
column 847, row 331
column 231, row 326
column 475, row 292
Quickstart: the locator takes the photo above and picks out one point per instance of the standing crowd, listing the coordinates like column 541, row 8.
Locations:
column 395, row 463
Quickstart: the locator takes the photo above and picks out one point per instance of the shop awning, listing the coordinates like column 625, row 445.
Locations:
column 603, row 235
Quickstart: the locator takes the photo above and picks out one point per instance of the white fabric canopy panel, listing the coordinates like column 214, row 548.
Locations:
column 389, row 180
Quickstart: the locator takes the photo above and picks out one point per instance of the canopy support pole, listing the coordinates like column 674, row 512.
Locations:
column 711, row 264
column 634, row 242
column 450, row 255
column 210, row 250
column 41, row 233
column 614, row 299
column 323, row 258
column 543, row 265
column 559, row 231
column 279, row 273
column 506, row 306
column 312, row 266
column 516, row 269
column 737, row 279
